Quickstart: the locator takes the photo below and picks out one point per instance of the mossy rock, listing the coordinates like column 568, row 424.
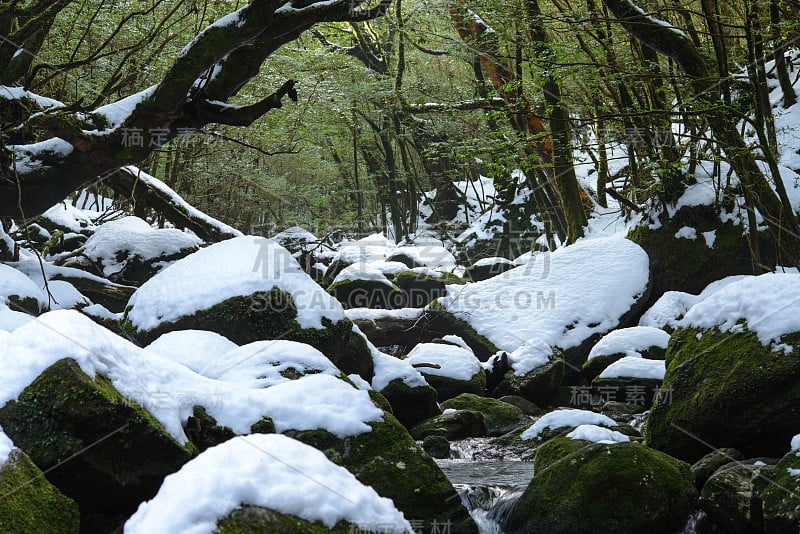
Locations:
column 637, row 391
column 113, row 446
column 499, row 417
column 420, row 289
column 411, row 404
column 592, row 368
column 372, row 294
column 731, row 501
column 447, row 387
column 438, row 322
column 253, row 519
column 436, row 446
column 112, row 296
column 527, row 407
column 388, row 459
column 678, row 264
column 598, row 488
column 204, row 432
column 137, row 270
column 728, row 390
column 264, row 316
column 456, row 425
column 30, row 503
column 538, row 386
column 780, row 496
column 28, row 305
column 706, row 466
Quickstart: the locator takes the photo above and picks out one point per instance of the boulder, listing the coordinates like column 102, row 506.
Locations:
column 246, row 289
column 449, row 369
column 459, row 424
column 248, row 518
column 421, row 286
column 499, row 417
column 726, row 389
column 30, row 503
column 388, row 459
column 114, row 446
column 368, row 293
column 604, row 488
column 780, row 495
column 706, row 466
column 689, row 264
column 539, row 385
column 731, row 498
column 411, row 404
column 436, row 446
column 637, row 341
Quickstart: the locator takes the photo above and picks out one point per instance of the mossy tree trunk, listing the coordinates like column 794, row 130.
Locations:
column 33, row 178
column 673, row 43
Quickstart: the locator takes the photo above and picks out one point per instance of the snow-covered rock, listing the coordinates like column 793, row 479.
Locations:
column 302, row 483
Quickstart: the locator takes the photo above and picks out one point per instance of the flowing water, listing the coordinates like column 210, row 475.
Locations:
column 488, row 479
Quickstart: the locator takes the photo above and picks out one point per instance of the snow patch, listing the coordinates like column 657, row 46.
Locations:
column 566, row 418
column 598, row 434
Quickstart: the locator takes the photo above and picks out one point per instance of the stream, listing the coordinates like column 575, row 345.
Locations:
column 488, row 480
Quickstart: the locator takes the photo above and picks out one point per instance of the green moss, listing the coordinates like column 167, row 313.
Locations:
column 626, row 487
column 27, row 305
column 30, row 503
column 720, row 383
column 781, row 496
column 538, row 386
column 457, row 425
column 689, row 265
column 499, row 417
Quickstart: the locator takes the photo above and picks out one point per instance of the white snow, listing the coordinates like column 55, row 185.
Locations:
column 289, row 8
column 568, row 296
column 635, row 367
column 769, row 304
column 431, row 256
column 14, row 93
column 15, row 283
column 597, row 434
column 630, row 341
column 455, row 340
column 532, row 354
column 114, row 243
column 710, row 237
column 193, row 348
column 10, row 319
column 163, row 189
column 673, row 305
column 68, row 216
column 368, row 314
column 362, row 271
column 388, row 368
column 455, row 362
column 686, row 232
column 101, row 312
column 793, row 472
column 65, row 296
column 236, row 267
column 6, row 446
column 566, row 418
column 169, row 390
column 117, row 112
column 360, row 382
column 487, row 262
column 795, row 445
column 260, row 364
column 28, row 158
column 265, row 470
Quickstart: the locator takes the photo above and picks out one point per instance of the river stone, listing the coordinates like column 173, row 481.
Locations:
column 708, row 464
column 600, row 488
column 499, row 417
column 452, row 426
column 411, row 404
column 731, row 500
column 436, row 446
